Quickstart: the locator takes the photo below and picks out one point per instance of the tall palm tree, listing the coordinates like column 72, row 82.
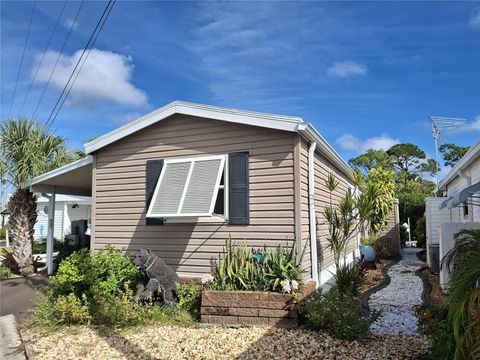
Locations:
column 27, row 149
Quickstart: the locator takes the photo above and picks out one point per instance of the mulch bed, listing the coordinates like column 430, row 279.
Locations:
column 374, row 277
column 174, row 342
column 433, row 293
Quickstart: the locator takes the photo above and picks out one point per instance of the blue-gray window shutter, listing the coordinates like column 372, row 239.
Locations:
column 238, row 189
column 154, row 168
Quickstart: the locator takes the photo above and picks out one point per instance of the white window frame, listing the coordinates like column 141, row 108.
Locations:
column 188, row 217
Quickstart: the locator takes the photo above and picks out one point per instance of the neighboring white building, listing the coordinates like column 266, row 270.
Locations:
column 67, row 209
column 459, row 209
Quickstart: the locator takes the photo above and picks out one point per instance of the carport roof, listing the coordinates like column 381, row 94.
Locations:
column 71, row 179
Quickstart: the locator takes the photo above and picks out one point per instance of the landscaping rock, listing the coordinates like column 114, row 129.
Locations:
column 396, row 301
column 173, row 343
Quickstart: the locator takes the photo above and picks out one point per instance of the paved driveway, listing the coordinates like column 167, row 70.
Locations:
column 17, row 295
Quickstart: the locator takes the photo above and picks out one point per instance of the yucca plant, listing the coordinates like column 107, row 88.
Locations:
column 242, row 269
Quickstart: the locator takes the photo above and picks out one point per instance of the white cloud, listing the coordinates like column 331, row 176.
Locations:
column 348, row 68
column 71, row 23
column 475, row 19
column 105, row 77
column 351, row 143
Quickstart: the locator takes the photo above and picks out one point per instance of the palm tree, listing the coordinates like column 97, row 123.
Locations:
column 27, row 149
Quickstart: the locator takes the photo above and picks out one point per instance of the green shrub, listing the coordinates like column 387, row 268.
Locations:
column 3, row 232
column 97, row 288
column 341, row 316
column 98, row 275
column 189, row 299
column 243, row 268
column 433, row 323
column 420, row 232
column 348, row 279
column 5, row 272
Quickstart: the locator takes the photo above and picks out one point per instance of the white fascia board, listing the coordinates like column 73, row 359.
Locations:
column 312, row 134
column 286, row 123
column 61, row 170
column 466, row 160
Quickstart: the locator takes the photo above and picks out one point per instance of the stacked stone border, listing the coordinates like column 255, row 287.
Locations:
column 248, row 308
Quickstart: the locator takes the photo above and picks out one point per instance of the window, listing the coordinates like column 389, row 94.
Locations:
column 465, row 210
column 190, row 188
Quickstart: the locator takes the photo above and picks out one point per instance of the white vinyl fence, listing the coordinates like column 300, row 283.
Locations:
column 447, row 242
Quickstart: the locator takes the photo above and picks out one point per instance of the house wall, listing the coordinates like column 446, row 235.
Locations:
column 41, row 226
column 458, row 184
column 119, row 190
column 322, row 199
column 391, row 234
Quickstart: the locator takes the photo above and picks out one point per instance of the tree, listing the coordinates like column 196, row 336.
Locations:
column 27, row 149
column 452, row 153
column 383, row 187
column 407, row 158
column 372, row 159
column 430, row 167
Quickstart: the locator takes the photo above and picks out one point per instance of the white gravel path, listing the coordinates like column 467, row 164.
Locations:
column 397, row 299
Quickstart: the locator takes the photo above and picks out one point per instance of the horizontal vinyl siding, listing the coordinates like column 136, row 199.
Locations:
column 322, row 199
column 190, row 248
column 305, row 214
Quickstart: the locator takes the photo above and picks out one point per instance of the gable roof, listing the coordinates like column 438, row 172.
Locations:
column 472, row 154
column 271, row 121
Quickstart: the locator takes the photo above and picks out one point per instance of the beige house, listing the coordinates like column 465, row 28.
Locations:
column 186, row 177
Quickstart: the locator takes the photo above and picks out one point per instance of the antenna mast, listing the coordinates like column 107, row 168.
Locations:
column 439, row 125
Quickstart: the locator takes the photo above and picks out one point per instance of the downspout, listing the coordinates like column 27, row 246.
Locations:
column 312, row 214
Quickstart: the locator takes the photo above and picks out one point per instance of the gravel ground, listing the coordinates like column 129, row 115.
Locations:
column 173, row 342
column 397, row 299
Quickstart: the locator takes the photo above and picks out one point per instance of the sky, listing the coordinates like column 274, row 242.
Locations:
column 366, row 74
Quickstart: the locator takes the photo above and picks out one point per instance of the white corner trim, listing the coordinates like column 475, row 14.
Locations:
column 61, row 170
column 286, row 123
column 312, row 214
column 327, row 274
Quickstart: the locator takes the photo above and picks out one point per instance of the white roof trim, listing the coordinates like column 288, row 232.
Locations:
column 61, row 170
column 466, row 160
column 279, row 122
column 286, row 123
column 309, row 131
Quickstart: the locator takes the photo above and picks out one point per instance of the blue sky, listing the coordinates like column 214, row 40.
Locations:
column 366, row 74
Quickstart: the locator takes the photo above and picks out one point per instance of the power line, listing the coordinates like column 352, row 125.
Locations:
column 43, row 57
column 58, row 59
column 91, row 42
column 23, row 55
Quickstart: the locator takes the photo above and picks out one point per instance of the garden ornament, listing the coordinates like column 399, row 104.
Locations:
column 158, row 277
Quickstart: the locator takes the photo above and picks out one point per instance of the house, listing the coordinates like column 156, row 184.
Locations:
column 459, row 209
column 186, row 177
column 68, row 208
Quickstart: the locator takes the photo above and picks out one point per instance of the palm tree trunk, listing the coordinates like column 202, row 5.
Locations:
column 23, row 216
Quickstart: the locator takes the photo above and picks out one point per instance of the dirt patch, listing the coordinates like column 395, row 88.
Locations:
column 374, row 277
column 173, row 342
column 436, row 295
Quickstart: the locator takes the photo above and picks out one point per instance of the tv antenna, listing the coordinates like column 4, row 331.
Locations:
column 441, row 125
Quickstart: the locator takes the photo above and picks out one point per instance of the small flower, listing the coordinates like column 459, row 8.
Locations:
column 294, row 284
column 207, row 279
column 286, row 286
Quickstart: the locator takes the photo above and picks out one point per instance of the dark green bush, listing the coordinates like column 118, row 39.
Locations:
column 433, row 323
column 348, row 279
column 98, row 275
column 244, row 268
column 341, row 316
column 189, row 299
column 5, row 272
column 97, row 288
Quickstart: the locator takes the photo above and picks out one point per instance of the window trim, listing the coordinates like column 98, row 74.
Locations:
column 192, row 161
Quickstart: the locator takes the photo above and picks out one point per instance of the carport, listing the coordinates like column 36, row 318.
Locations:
column 71, row 179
